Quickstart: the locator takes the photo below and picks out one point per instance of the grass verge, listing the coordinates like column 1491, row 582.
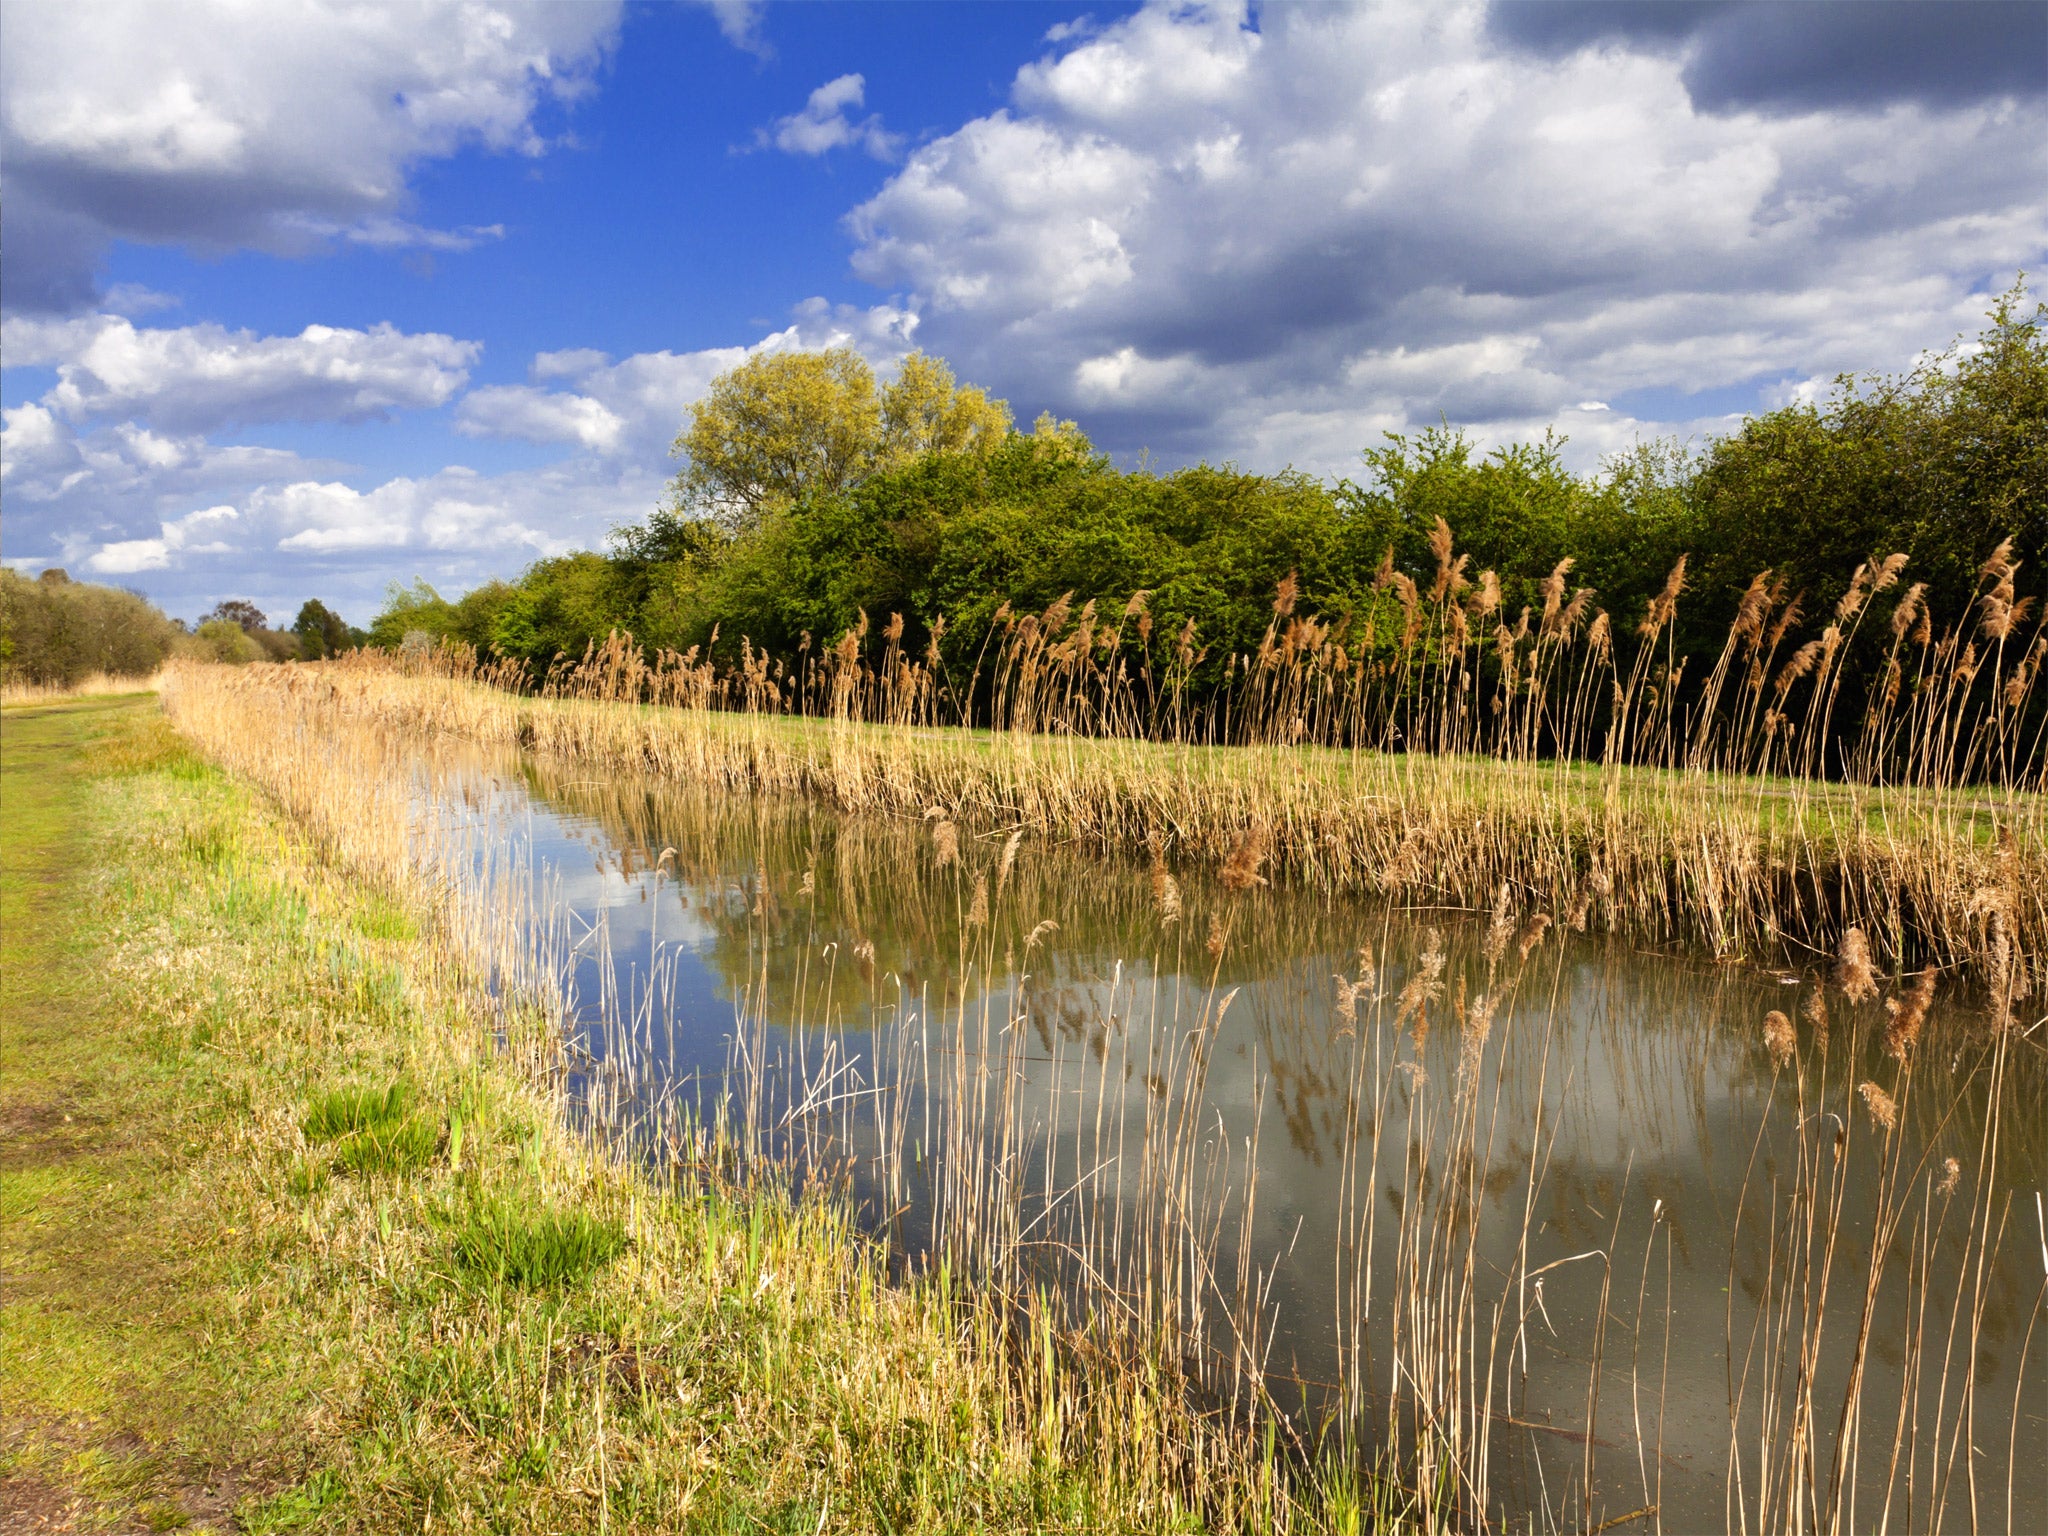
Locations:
column 290, row 1244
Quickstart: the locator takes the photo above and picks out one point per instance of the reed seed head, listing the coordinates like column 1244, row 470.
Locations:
column 1780, row 1039
column 1951, row 1176
column 1884, row 1109
column 977, row 911
column 1008, row 860
column 1241, row 871
column 1816, row 1011
column 1426, row 985
column 1908, row 1013
column 946, row 841
column 1854, row 973
column 1347, row 1002
column 1998, row 567
column 1502, row 928
column 1575, row 919
column 1166, row 892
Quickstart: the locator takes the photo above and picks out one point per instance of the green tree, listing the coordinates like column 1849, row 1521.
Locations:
column 321, row 631
column 223, row 640
column 558, row 607
column 55, row 631
column 783, row 426
column 409, row 610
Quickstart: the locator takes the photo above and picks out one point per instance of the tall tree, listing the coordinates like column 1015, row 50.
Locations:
column 786, row 425
column 321, row 631
column 245, row 615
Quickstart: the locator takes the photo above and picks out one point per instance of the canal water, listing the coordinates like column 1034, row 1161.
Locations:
column 1452, row 1177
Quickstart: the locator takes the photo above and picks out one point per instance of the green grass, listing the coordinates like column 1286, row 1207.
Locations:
column 372, row 1130
column 498, row 1238
column 290, row 1245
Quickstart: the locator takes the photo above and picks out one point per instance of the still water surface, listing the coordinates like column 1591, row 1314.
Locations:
column 1625, row 1126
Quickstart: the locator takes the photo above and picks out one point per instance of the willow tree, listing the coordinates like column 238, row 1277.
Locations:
column 786, row 425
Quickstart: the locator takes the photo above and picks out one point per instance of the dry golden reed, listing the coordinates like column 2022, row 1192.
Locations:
column 1780, row 1039
column 1884, row 1110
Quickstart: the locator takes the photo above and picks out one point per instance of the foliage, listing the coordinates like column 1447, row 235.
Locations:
column 55, row 631
column 833, row 499
column 321, row 631
column 221, row 640
column 784, row 426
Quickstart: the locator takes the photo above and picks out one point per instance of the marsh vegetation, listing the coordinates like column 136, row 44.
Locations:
column 1272, row 1098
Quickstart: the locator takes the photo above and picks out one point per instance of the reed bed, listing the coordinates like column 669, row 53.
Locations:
column 16, row 691
column 1051, row 1159
column 1121, row 1438
column 1883, row 776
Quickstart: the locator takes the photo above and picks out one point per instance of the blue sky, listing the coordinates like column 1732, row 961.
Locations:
column 305, row 300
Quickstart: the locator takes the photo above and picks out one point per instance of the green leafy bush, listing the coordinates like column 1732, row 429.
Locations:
column 55, row 631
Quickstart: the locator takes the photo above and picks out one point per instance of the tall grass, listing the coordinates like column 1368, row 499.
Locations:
column 20, row 690
column 1881, row 776
column 1092, row 1217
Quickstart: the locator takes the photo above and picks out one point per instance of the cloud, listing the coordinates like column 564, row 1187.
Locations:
column 740, row 23
column 202, row 378
column 198, row 532
column 631, row 410
column 1793, row 56
column 1219, row 240
column 219, row 125
column 826, row 124
column 287, row 529
column 539, row 416
column 147, row 496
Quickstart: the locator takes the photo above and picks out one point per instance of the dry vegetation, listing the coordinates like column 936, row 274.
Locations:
column 1790, row 798
column 1112, row 1322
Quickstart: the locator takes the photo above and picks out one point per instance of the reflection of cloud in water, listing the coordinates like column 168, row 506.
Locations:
column 1634, row 1082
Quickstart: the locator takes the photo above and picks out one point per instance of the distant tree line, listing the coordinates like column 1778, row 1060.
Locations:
column 55, row 632
column 813, row 497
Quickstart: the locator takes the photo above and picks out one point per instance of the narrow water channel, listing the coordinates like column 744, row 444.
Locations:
column 1441, row 1158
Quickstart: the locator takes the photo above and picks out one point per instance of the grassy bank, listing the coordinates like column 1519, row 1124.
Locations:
column 295, row 1237
column 1749, row 866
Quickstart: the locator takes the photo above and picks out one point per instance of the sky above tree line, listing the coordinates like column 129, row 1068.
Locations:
column 301, row 299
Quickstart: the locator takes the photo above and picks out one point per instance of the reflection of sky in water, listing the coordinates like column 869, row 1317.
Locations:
column 1645, row 1075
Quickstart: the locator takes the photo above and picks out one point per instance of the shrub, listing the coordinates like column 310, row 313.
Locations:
column 223, row 641
column 55, row 632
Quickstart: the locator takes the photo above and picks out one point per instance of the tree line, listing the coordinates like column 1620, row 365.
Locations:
column 815, row 502
column 55, row 632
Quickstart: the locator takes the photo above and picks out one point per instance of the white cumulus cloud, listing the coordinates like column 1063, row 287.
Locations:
column 1219, row 237
column 200, row 378
column 277, row 126
column 827, row 123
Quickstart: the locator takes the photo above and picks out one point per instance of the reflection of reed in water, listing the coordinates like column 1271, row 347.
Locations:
column 1084, row 1139
column 1645, row 1047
